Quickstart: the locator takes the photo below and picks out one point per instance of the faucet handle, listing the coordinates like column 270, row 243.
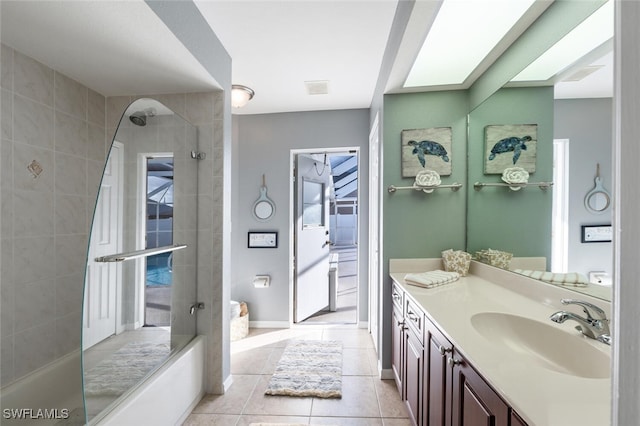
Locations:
column 588, row 308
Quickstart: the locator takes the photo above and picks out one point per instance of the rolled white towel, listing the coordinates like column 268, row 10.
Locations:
column 571, row 279
column 431, row 279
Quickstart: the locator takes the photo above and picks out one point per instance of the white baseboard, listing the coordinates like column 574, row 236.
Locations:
column 227, row 383
column 269, row 324
column 363, row 324
column 386, row 374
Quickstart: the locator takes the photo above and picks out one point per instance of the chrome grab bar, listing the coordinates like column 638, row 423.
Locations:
column 121, row 257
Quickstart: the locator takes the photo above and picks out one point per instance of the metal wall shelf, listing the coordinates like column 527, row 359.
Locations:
column 427, row 189
column 514, row 186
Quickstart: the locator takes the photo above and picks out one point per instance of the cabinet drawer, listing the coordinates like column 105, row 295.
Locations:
column 397, row 294
column 414, row 317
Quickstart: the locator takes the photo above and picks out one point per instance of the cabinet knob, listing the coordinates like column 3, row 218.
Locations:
column 443, row 350
column 453, row 362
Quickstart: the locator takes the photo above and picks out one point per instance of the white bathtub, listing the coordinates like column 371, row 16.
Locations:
column 168, row 396
column 165, row 398
column 56, row 387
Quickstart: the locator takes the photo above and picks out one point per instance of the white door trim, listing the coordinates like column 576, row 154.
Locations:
column 292, row 223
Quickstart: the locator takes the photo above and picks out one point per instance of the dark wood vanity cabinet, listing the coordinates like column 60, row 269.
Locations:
column 474, row 402
column 437, row 377
column 397, row 349
column 397, row 339
column 413, row 378
column 439, row 387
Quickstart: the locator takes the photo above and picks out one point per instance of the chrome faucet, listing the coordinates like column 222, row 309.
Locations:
column 594, row 326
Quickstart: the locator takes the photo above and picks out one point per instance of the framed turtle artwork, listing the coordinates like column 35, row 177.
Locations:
column 510, row 145
column 426, row 149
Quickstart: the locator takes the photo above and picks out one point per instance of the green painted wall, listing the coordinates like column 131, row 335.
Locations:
column 515, row 221
column 416, row 224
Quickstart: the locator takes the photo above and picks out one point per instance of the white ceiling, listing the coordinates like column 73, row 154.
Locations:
column 276, row 46
column 122, row 47
column 113, row 47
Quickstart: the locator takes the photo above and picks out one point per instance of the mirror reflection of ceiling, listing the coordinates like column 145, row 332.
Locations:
column 579, row 62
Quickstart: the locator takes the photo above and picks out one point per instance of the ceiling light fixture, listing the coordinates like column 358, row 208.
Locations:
column 240, row 95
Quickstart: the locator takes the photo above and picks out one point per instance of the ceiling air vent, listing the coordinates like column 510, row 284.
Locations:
column 583, row 72
column 317, row 87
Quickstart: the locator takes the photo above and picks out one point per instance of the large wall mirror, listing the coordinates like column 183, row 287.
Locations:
column 573, row 113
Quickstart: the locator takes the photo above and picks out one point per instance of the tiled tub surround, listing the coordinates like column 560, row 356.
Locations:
column 540, row 396
column 57, row 125
column 45, row 221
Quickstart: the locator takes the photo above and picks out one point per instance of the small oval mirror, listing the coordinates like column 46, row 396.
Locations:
column 263, row 208
column 597, row 200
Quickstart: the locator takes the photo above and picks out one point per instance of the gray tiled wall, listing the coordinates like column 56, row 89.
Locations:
column 44, row 222
column 56, row 122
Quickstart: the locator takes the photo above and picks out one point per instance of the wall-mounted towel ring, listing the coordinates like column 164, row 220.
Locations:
column 598, row 200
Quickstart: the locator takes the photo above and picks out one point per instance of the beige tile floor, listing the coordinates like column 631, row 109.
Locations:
column 366, row 400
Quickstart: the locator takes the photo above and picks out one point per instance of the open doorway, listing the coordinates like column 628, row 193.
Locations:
column 158, row 270
column 325, row 237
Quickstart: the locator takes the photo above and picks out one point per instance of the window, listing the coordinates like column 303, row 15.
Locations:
column 312, row 204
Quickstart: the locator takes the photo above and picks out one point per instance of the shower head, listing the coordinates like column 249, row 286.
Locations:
column 139, row 118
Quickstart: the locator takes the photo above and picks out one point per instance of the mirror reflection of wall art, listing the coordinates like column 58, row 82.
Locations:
column 510, row 145
column 424, row 149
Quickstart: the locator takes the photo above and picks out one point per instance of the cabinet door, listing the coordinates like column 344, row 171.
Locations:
column 474, row 402
column 437, row 378
column 516, row 420
column 397, row 350
column 413, row 377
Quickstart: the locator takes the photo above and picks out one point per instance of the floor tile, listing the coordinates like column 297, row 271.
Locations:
column 261, row 404
column 389, row 399
column 358, row 400
column 346, row 421
column 366, row 400
column 232, row 402
column 195, row 419
column 247, row 420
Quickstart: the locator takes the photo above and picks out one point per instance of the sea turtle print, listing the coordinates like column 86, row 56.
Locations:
column 426, row 147
column 512, row 143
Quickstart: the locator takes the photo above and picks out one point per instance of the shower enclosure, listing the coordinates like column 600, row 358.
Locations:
column 140, row 287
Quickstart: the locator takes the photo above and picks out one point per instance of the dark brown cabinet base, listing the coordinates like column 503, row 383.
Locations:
column 439, row 387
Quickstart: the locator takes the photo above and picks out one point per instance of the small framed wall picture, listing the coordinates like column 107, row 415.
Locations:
column 262, row 239
column 596, row 234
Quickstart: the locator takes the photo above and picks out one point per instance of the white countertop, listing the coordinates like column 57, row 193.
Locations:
column 542, row 397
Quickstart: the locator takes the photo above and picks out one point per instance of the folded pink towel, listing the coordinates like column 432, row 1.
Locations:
column 431, row 278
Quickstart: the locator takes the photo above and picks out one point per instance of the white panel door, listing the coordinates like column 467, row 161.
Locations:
column 311, row 290
column 102, row 279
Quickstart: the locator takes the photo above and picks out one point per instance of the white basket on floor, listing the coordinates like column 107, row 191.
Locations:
column 239, row 327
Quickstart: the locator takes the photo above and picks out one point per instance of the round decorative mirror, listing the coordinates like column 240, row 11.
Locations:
column 263, row 208
column 597, row 200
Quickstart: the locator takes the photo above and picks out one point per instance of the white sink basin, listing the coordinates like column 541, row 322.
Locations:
column 545, row 344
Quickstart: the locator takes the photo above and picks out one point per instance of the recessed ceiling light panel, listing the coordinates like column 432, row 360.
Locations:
column 590, row 34
column 463, row 33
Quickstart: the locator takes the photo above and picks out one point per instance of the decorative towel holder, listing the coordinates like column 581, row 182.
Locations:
column 426, row 189
column 542, row 185
column 426, row 181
